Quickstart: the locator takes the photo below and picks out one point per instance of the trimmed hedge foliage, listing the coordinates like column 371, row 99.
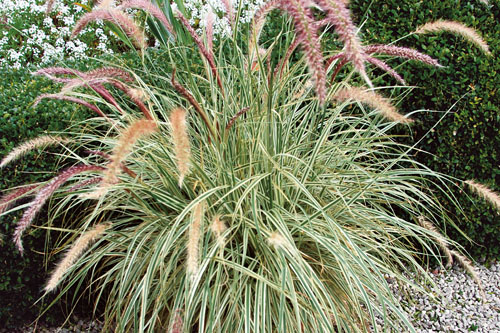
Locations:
column 466, row 142
column 21, row 278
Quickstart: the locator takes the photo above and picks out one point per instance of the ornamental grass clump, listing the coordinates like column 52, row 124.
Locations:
column 244, row 192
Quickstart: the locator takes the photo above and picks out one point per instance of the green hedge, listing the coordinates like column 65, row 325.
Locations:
column 466, row 143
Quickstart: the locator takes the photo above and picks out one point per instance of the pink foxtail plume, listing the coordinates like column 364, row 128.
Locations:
column 257, row 24
column 307, row 33
column 43, row 195
column 50, row 73
column 203, row 50
column 382, row 65
column 10, row 198
column 340, row 17
column 150, row 8
column 282, row 63
column 209, row 30
column 402, row 52
column 229, row 10
column 114, row 16
column 71, row 99
column 85, row 183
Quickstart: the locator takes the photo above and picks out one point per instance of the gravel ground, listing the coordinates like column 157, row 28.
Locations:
column 457, row 308
column 458, row 305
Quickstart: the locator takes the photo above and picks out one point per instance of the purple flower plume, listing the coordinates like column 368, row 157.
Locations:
column 7, row 200
column 307, row 33
column 382, row 65
column 71, row 99
column 114, row 16
column 402, row 52
column 43, row 195
column 203, row 50
column 85, row 183
column 50, row 73
column 148, row 7
column 340, row 17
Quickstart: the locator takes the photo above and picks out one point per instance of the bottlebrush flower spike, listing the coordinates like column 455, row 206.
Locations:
column 24, row 148
column 109, row 72
column 148, row 7
column 181, row 142
column 373, row 100
column 128, row 138
column 114, row 16
column 218, row 228
column 209, row 30
column 257, row 24
column 76, row 250
column 485, row 192
column 203, row 50
column 194, row 236
column 456, row 28
column 71, row 99
column 340, row 17
column 402, row 52
column 85, row 183
column 43, row 195
column 382, row 65
column 441, row 241
column 307, row 32
column 10, row 198
column 49, row 72
column 228, row 5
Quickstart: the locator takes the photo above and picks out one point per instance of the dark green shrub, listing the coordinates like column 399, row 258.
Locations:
column 465, row 144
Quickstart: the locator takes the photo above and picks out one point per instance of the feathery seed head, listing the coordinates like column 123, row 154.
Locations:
column 485, row 192
column 258, row 23
column 76, row 250
column 276, row 240
column 10, row 198
column 402, row 52
column 456, row 28
column 114, row 16
column 26, row 147
column 307, row 33
column 209, row 30
column 373, row 100
column 340, row 17
column 439, row 238
column 128, row 137
column 218, row 227
column 180, row 138
column 150, row 8
column 194, row 236
column 43, row 195
column 467, row 265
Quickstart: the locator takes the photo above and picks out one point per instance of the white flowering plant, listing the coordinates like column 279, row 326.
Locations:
column 30, row 36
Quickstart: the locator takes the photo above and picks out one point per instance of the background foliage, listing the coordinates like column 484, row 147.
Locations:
column 466, row 142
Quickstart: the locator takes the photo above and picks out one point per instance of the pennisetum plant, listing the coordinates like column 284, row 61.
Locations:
column 245, row 195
